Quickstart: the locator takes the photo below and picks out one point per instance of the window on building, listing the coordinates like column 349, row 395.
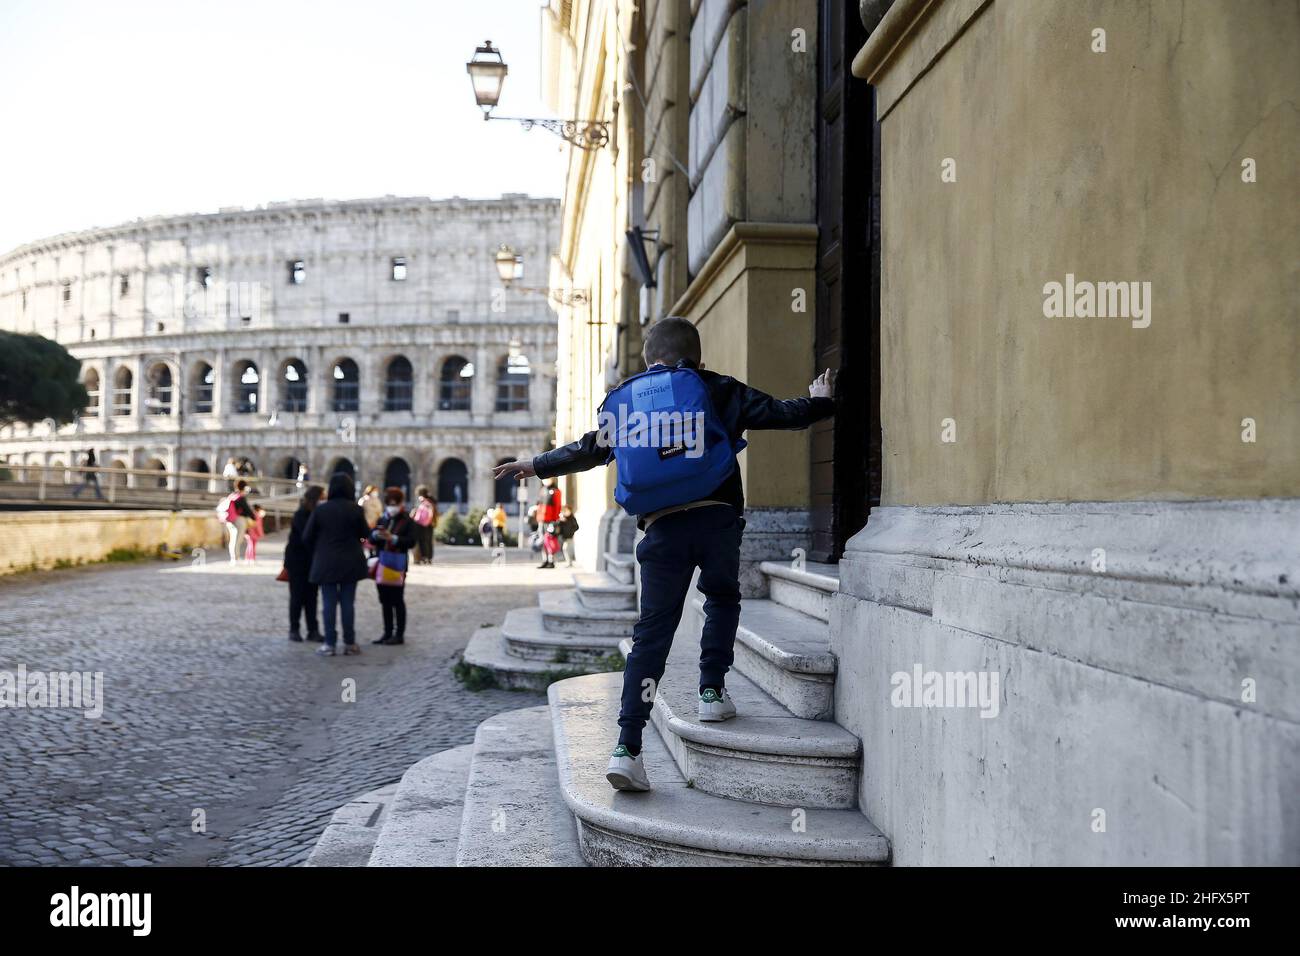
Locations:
column 399, row 386
column 24, row 300
column 158, row 401
column 455, row 385
column 92, row 390
column 203, row 381
column 122, row 391
column 297, row 272
column 347, row 386
column 399, row 269
column 67, row 291
column 123, row 285
column 512, row 384
column 294, row 394
column 247, row 383
column 344, row 318
column 205, row 276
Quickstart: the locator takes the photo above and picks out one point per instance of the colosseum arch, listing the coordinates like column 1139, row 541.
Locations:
column 455, row 384
column 248, row 387
column 155, row 464
column 346, row 377
column 93, row 390
column 341, row 464
column 397, row 474
column 293, row 385
column 158, row 394
column 513, row 373
column 203, row 379
column 453, row 484
column 201, row 466
column 399, row 384
column 122, row 381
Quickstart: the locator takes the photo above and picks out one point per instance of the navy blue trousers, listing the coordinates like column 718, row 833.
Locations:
column 672, row 548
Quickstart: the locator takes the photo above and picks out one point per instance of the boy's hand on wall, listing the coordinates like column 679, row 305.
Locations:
column 515, row 469
column 823, row 386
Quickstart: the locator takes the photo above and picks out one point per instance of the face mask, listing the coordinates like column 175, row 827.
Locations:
column 393, row 509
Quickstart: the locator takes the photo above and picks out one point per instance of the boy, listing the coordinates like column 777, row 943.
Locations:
column 703, row 533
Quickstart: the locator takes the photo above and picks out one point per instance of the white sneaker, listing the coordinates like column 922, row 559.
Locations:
column 715, row 706
column 625, row 771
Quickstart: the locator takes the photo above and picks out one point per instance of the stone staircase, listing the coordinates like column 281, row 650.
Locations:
column 777, row 785
column 571, row 631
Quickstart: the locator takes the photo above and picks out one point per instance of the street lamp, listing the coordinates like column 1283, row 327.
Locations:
column 487, row 73
column 510, row 266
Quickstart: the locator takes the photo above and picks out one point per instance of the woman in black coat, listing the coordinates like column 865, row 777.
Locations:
column 395, row 531
column 297, row 564
column 333, row 536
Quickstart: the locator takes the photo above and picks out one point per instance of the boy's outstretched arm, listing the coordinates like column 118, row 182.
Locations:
column 580, row 455
column 760, row 410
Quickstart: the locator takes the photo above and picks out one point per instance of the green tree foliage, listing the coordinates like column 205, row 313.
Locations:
column 38, row 380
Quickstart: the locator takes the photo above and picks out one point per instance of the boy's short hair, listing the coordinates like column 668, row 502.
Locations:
column 670, row 340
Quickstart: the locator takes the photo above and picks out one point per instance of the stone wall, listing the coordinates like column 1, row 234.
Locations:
column 42, row 539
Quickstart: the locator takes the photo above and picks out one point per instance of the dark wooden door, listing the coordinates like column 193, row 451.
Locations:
column 845, row 465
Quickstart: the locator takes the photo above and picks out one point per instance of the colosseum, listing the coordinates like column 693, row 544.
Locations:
column 369, row 336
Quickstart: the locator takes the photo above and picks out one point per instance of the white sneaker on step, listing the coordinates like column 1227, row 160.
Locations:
column 715, row 706
column 626, row 772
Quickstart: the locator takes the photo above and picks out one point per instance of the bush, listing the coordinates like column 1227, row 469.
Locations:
column 451, row 529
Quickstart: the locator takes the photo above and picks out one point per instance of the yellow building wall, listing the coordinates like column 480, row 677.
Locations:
column 1123, row 165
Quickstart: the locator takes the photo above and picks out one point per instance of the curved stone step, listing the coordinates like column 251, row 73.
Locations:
column 514, row 814
column 621, row 567
column 527, row 637
column 675, row 824
column 764, row 754
column 785, row 652
column 808, row 591
column 601, row 592
column 423, row 823
column 565, row 614
column 487, row 649
column 350, row 837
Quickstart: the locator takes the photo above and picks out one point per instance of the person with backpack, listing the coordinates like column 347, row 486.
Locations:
column 485, row 529
column 333, row 537
column 548, row 514
column 566, row 528
column 674, row 431
column 297, row 568
column 393, row 538
column 235, row 513
column 425, row 517
column 89, row 477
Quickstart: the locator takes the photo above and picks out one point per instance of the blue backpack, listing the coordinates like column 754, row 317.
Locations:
column 670, row 446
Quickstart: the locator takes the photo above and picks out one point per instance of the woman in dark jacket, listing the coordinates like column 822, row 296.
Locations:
column 297, row 564
column 395, row 531
column 333, row 536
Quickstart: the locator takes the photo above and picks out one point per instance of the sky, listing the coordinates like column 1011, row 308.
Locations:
column 112, row 110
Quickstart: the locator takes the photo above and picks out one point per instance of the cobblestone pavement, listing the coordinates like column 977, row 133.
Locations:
column 209, row 707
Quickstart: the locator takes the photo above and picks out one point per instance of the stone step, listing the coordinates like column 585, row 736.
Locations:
column 514, row 813
column 602, row 592
column 488, row 649
column 423, row 824
column 527, row 637
column 565, row 614
column 808, row 590
column 676, row 824
column 785, row 652
column 621, row 567
column 350, row 837
column 762, row 755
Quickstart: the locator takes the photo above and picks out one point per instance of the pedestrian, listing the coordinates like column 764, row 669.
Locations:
column 548, row 513
column 567, row 527
column 499, row 525
column 304, row 475
column 425, row 517
column 485, row 528
column 333, row 537
column 231, row 471
column 89, row 477
column 691, row 508
column 297, row 566
column 235, row 512
column 371, row 505
column 254, row 533
column 393, row 538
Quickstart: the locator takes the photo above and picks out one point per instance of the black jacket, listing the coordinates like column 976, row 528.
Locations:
column 738, row 406
column 333, row 536
column 297, row 556
column 403, row 529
